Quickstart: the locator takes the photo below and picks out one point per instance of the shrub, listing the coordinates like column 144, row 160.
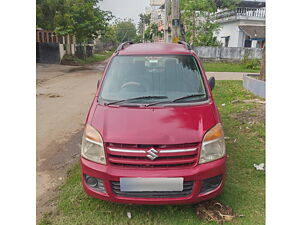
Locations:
column 253, row 64
column 70, row 60
column 250, row 63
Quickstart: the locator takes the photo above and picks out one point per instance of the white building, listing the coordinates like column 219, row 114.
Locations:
column 244, row 26
column 157, row 13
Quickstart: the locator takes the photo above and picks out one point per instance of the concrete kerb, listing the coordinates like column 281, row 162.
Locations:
column 257, row 87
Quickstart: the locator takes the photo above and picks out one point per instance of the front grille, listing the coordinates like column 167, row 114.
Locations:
column 179, row 155
column 187, row 190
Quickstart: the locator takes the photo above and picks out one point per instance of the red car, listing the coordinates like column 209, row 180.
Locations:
column 153, row 134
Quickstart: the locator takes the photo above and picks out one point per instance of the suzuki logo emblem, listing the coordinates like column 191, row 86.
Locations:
column 151, row 154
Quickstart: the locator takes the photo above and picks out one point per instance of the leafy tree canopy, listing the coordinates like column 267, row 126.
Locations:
column 144, row 20
column 148, row 35
column 152, row 32
column 208, row 5
column 198, row 20
column 110, row 35
column 83, row 18
column 125, row 30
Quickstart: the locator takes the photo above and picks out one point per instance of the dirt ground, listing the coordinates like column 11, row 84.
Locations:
column 63, row 97
column 252, row 116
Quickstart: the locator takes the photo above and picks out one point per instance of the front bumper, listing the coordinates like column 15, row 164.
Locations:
column 196, row 174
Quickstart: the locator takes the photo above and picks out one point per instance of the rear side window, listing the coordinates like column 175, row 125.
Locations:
column 173, row 76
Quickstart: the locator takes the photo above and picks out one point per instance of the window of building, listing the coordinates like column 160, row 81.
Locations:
column 40, row 37
column 227, row 41
column 50, row 37
column 45, row 37
column 248, row 42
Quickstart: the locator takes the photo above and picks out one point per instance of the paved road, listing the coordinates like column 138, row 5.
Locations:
column 63, row 97
column 225, row 75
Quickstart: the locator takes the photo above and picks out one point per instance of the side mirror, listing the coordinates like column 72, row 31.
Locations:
column 212, row 82
column 98, row 83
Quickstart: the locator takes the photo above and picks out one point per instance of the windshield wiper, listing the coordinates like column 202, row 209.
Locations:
column 189, row 96
column 177, row 99
column 137, row 98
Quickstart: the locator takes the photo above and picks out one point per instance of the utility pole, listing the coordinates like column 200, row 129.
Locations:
column 175, row 21
column 143, row 28
column 166, row 20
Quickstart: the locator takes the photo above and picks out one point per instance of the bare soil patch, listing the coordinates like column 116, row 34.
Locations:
column 251, row 116
column 58, row 158
column 214, row 211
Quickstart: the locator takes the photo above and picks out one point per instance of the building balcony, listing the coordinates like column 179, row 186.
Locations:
column 240, row 13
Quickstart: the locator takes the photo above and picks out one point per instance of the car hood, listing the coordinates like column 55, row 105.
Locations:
column 162, row 125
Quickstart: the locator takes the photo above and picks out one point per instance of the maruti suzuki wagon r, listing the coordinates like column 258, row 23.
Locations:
column 153, row 133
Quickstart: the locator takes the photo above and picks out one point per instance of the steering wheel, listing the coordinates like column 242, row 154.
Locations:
column 134, row 84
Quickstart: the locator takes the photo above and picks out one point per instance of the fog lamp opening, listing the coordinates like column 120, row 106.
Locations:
column 95, row 183
column 211, row 183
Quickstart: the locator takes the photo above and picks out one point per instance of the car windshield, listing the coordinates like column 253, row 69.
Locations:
column 150, row 79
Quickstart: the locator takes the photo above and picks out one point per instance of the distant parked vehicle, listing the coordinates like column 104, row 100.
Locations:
column 153, row 134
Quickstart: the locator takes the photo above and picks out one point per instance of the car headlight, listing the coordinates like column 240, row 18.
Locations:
column 92, row 147
column 213, row 145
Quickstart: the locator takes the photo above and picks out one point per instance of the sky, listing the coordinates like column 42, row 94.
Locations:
column 125, row 8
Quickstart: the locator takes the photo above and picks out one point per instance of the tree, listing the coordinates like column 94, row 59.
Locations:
column 152, row 32
column 110, row 36
column 263, row 65
column 125, row 30
column 148, row 36
column 144, row 20
column 199, row 22
column 82, row 18
column 138, row 38
column 45, row 12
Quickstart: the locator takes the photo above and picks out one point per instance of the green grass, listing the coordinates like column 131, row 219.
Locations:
column 227, row 67
column 73, row 60
column 96, row 57
column 244, row 188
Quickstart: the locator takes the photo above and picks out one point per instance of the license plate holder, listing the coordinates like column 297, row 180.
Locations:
column 141, row 184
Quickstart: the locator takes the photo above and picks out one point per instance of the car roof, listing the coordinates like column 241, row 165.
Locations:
column 158, row 48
